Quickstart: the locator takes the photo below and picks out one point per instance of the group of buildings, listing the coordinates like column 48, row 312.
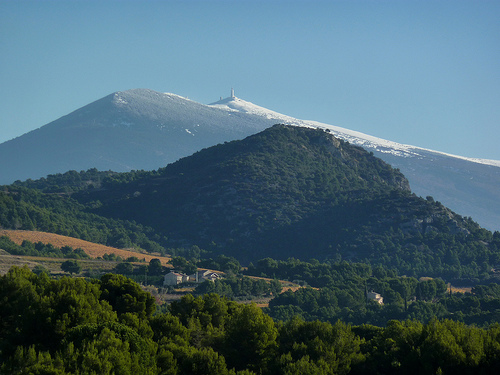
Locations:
column 174, row 277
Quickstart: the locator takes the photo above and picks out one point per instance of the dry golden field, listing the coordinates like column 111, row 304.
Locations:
column 92, row 249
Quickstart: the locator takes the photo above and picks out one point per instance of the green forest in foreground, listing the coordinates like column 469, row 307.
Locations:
column 112, row 326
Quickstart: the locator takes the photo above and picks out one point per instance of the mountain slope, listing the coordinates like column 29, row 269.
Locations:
column 275, row 177
column 466, row 185
column 143, row 129
column 284, row 192
column 135, row 129
column 299, row 192
column 93, row 250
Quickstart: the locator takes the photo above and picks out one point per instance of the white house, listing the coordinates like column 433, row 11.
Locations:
column 375, row 297
column 202, row 275
column 174, row 278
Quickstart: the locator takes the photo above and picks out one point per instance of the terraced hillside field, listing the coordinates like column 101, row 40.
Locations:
column 92, row 249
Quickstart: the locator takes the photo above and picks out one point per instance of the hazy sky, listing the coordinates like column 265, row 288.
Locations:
column 425, row 73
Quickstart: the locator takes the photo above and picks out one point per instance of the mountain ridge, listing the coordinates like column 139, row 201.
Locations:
column 285, row 192
column 142, row 129
column 291, row 191
column 467, row 185
column 240, row 105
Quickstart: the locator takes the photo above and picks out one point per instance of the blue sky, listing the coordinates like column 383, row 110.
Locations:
column 425, row 73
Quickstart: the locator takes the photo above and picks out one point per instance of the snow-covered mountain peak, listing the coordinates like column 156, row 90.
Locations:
column 144, row 94
column 235, row 104
column 146, row 129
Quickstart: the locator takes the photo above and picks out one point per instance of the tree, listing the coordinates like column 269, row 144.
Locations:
column 37, row 310
column 108, row 349
column 276, row 287
column 71, row 266
column 125, row 268
column 190, row 268
column 259, row 343
column 154, row 267
column 178, row 262
column 182, row 264
column 332, row 347
column 194, row 361
column 29, row 361
column 40, row 269
column 168, row 327
column 124, row 295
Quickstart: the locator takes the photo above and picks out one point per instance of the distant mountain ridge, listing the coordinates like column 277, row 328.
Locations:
column 143, row 129
column 234, row 104
column 135, row 129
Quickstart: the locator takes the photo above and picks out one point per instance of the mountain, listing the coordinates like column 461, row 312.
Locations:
column 466, row 185
column 284, row 192
column 130, row 130
column 143, row 130
column 298, row 192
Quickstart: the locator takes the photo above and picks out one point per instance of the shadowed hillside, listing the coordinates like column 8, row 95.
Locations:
column 297, row 192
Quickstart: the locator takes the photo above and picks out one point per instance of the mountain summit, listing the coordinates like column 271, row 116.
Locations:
column 144, row 129
column 134, row 129
column 233, row 104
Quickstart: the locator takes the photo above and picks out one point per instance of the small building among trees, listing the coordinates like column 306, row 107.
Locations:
column 375, row 297
column 202, row 275
column 174, row 278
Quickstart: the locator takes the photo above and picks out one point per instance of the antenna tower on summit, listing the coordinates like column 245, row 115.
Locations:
column 232, row 93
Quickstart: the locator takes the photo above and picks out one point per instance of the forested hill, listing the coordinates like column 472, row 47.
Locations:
column 297, row 192
column 284, row 192
column 245, row 196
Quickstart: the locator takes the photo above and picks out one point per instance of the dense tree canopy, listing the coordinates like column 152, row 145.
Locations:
column 71, row 325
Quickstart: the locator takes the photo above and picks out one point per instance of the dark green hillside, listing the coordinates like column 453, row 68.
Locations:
column 73, row 181
column 297, row 192
column 29, row 209
column 244, row 194
column 285, row 192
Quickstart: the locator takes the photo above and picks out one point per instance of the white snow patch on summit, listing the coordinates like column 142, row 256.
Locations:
column 234, row 104
column 175, row 96
column 239, row 105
